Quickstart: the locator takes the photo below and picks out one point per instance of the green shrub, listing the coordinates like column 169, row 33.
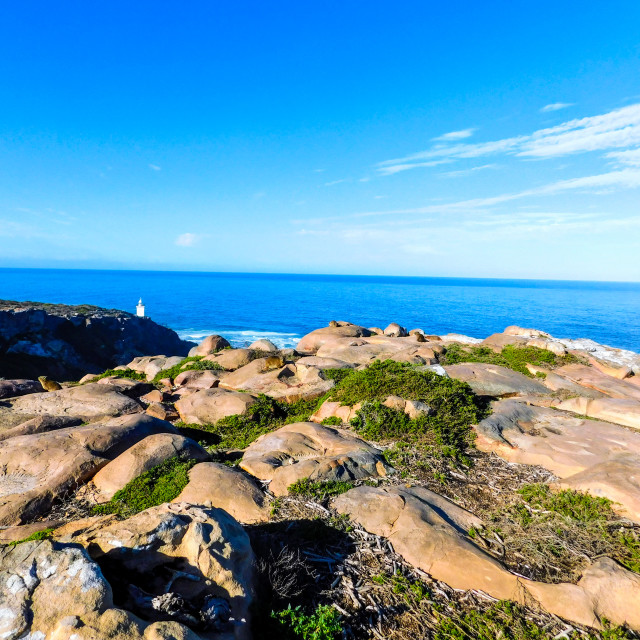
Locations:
column 576, row 505
column 322, row 624
column 331, row 421
column 45, row 534
column 160, row 484
column 121, row 373
column 337, row 375
column 319, row 490
column 512, row 356
column 193, row 362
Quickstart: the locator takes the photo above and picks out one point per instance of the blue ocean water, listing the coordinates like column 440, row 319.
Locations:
column 283, row 307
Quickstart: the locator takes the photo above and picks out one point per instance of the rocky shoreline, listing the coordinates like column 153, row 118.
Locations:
column 369, row 483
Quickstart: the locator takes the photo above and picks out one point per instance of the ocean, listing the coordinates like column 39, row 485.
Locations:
column 283, row 307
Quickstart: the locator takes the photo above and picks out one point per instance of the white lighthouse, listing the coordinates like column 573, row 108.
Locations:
column 140, row 309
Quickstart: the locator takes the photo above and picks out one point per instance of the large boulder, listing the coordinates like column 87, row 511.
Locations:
column 88, row 401
column 197, row 379
column 618, row 410
column 210, row 405
column 195, row 553
column 263, row 345
column 141, row 457
column 310, row 343
column 232, row 359
column 40, row 424
column 211, row 344
column 494, row 381
column 567, row 446
column 396, row 331
column 36, row 469
column 216, row 485
column 429, row 531
column 15, row 388
column 307, row 450
column 290, row 382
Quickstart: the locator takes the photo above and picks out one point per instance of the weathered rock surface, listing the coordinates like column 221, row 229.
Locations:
column 141, row 457
column 210, row 405
column 396, row 331
column 492, row 380
column 86, row 401
column 65, row 342
column 151, row 366
column 197, row 379
column 429, row 531
column 324, row 363
column 211, row 344
column 146, row 549
column 290, row 382
column 232, row 359
column 308, row 450
column 40, row 424
column 35, row 469
column 595, row 379
column 310, row 343
column 15, row 388
column 263, row 345
column 625, row 412
column 567, row 446
column 216, row 485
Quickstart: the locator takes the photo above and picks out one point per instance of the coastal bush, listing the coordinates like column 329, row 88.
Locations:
column 161, row 484
column 192, row 362
column 331, row 421
column 120, row 373
column 322, row 624
column 307, row 488
column 513, row 357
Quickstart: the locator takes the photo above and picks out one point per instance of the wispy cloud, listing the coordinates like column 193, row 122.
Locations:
column 330, row 184
column 187, row 239
column 456, row 135
column 616, row 129
column 467, row 172
column 155, row 167
column 556, row 106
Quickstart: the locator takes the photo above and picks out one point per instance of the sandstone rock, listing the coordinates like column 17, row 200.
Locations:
column 330, row 409
column 614, row 371
column 625, row 412
column 429, row 532
column 151, row 366
column 396, row 331
column 492, row 380
column 422, row 354
column 498, row 341
column 144, row 455
column 514, row 330
column 554, row 382
column 197, row 379
column 310, row 343
column 308, row 450
column 153, row 396
column 48, row 384
column 211, row 344
column 86, row 401
column 23, row 531
column 323, row 363
column 594, row 379
column 232, row 359
column 208, row 544
column 210, row 405
column 162, row 411
column 216, row 485
column 549, row 345
column 37, row 468
column 567, row 446
column 376, row 331
column 263, row 345
column 126, row 386
column 15, row 388
column 40, row 424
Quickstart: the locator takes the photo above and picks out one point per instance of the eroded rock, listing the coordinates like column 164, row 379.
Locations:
column 210, row 405
column 494, row 381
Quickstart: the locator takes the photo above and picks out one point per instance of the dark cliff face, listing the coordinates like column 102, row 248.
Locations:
column 66, row 342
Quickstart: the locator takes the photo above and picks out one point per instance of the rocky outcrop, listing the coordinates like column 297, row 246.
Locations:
column 65, row 342
column 308, row 450
column 494, row 381
column 210, row 405
column 15, row 388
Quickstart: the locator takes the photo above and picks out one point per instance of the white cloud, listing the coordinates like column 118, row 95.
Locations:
column 466, row 172
column 631, row 157
column 618, row 129
column 187, row 239
column 155, row 167
column 456, row 135
column 330, row 184
column 556, row 106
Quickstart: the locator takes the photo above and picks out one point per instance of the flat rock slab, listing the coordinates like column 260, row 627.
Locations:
column 310, row 343
column 141, row 457
column 40, row 424
column 429, row 531
column 567, row 445
column 625, row 412
column 215, row 485
column 594, row 379
column 86, row 401
column 494, row 381
column 210, row 405
column 208, row 544
column 15, row 388
column 308, row 450
column 37, row 468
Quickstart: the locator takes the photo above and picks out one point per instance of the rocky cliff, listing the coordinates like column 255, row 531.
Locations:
column 65, row 342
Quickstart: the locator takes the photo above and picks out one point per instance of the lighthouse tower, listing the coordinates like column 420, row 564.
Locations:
column 140, row 309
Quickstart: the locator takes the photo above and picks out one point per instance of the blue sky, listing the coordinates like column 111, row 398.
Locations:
column 406, row 138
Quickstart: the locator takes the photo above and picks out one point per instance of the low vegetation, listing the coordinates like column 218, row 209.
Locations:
column 187, row 364
column 162, row 483
column 321, row 624
column 512, row 357
column 44, row 534
column 320, row 491
column 120, row 373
